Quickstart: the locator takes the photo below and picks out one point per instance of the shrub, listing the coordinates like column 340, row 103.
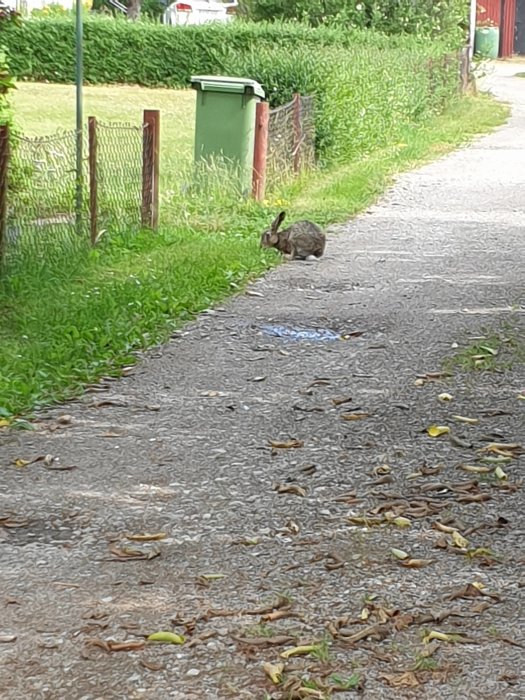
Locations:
column 367, row 85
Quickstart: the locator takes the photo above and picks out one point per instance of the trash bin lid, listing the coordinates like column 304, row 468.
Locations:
column 220, row 83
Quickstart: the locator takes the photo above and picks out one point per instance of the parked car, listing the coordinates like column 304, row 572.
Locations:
column 199, row 12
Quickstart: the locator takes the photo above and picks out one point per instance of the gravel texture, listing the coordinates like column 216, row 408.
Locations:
column 182, row 446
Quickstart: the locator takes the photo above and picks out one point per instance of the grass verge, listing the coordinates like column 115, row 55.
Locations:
column 69, row 319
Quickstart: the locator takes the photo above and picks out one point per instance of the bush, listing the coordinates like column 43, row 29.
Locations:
column 367, row 85
column 431, row 18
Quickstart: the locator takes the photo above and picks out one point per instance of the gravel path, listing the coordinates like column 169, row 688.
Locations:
column 267, row 548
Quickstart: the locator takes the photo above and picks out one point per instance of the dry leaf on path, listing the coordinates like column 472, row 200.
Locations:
column 445, row 397
column 341, row 400
column 354, row 416
column 465, row 419
column 294, row 489
column 274, row 672
column 450, row 638
column 406, row 679
column 399, row 554
column 151, row 665
column 7, row 638
column 146, row 537
column 110, row 645
column 299, row 651
column 416, row 563
column 132, row 554
column 288, row 444
column 437, row 430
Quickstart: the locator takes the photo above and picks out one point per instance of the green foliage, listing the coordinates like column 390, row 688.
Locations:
column 8, row 18
column 381, row 83
column 446, row 18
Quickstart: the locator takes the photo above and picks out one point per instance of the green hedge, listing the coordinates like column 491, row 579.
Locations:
column 367, row 86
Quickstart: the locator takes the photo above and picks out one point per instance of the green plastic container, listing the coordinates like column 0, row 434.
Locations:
column 486, row 42
column 225, row 121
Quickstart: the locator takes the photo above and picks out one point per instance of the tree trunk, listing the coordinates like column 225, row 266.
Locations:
column 134, row 9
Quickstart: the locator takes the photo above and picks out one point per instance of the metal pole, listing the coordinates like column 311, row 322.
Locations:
column 472, row 27
column 79, row 143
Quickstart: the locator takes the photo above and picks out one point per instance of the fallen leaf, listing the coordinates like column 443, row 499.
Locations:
column 400, row 680
column 437, row 430
column 416, row 563
column 464, row 419
column 151, row 665
column 500, row 474
column 131, row 553
column 146, row 537
column 274, row 672
column 290, row 488
column 474, row 469
column 341, row 400
column 110, row 645
column 450, row 638
column 287, row 444
column 399, row 554
column 401, row 522
column 459, row 540
column 299, row 651
column 354, row 416
column 166, row 638
column 7, row 638
column 445, row 397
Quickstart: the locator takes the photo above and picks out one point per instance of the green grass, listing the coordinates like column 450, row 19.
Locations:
column 72, row 317
column 122, row 103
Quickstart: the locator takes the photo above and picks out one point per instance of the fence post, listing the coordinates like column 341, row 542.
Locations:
column 297, row 132
column 260, row 150
column 150, row 168
column 93, row 180
column 4, row 171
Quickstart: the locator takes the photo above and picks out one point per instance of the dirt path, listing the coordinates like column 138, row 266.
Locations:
column 267, row 548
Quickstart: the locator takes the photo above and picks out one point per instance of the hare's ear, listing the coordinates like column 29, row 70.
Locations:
column 278, row 221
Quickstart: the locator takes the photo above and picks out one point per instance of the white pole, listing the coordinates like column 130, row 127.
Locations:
column 472, row 27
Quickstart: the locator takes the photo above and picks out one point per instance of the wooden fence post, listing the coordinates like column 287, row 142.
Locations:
column 93, row 181
column 297, row 133
column 150, row 168
column 4, row 172
column 260, row 150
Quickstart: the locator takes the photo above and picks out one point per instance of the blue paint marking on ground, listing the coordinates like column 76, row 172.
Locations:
column 315, row 334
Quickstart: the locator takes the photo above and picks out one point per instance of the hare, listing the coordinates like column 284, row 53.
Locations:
column 303, row 239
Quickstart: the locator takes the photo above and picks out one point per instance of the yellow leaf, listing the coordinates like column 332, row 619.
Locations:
column 445, row 397
column 274, row 672
column 459, row 540
column 4, row 422
column 401, row 522
column 419, row 382
column 464, row 419
column 365, row 614
column 166, row 638
column 500, row 473
column 440, row 636
column 437, row 430
column 474, row 469
column 298, row 651
column 399, row 553
column 22, row 462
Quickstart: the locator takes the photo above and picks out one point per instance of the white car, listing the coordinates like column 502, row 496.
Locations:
column 199, row 12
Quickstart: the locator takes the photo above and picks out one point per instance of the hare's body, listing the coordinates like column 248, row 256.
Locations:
column 303, row 239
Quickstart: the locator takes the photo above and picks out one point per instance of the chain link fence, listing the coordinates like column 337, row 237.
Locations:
column 38, row 181
column 118, row 170
column 291, row 138
column 40, row 193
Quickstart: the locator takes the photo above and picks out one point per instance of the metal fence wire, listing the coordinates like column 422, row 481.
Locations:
column 291, row 137
column 119, row 174
column 40, row 196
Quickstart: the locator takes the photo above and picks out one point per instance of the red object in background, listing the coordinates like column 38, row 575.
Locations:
column 503, row 14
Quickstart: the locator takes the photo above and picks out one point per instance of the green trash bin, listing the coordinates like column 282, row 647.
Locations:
column 225, row 121
column 486, row 42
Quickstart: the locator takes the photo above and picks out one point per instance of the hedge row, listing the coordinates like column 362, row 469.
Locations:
column 367, row 86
